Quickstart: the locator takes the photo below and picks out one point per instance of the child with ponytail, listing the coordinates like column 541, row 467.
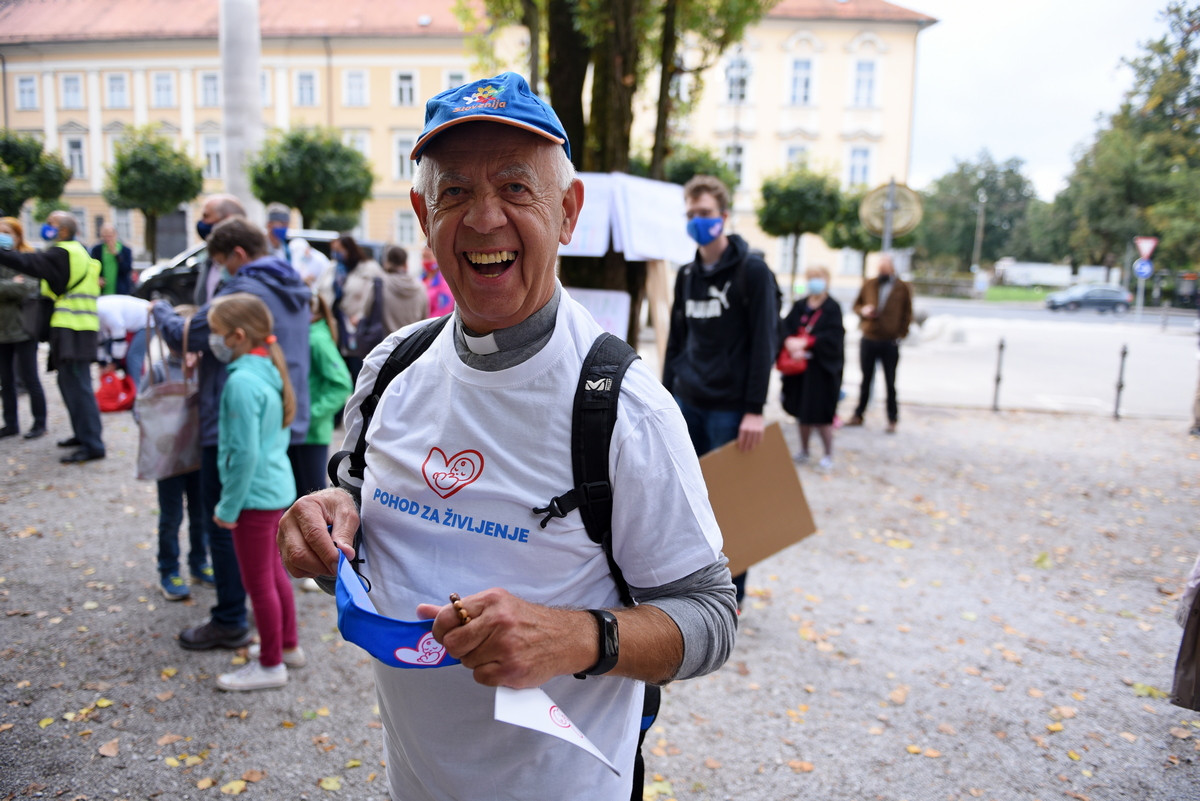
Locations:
column 257, row 485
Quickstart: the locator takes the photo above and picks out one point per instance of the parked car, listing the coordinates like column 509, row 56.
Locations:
column 174, row 279
column 1101, row 297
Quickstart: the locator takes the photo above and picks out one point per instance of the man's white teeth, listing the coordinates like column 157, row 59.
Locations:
column 491, row 258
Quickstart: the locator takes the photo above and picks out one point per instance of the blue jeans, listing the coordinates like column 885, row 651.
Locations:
column 75, row 384
column 230, row 611
column 709, row 429
column 171, row 492
column 135, row 355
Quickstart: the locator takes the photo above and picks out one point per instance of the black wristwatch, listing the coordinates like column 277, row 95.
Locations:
column 610, row 644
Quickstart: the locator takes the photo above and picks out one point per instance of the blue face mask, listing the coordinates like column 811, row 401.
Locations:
column 280, row 233
column 396, row 643
column 49, row 232
column 705, row 229
column 222, row 352
column 816, row 286
column 6, row 242
column 203, row 228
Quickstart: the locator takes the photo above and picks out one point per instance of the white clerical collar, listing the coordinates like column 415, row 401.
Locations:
column 481, row 346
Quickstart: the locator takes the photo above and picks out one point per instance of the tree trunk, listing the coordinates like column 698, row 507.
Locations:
column 151, row 234
column 532, row 20
column 570, row 54
column 795, row 264
column 666, row 71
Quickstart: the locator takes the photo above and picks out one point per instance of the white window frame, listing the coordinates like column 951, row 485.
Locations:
column 70, row 99
column 116, row 99
column 359, row 139
column 27, row 90
column 81, row 217
column 122, row 220
column 363, row 98
column 315, row 101
column 202, row 85
column 69, row 156
column 737, row 79
column 796, row 156
column 858, row 166
column 212, row 152
column 264, row 87
column 156, row 101
column 398, row 98
column 801, row 83
column 735, row 158
column 865, row 72
column 455, row 79
column 402, row 145
column 404, row 228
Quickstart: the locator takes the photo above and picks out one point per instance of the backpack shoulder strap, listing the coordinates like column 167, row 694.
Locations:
column 397, row 362
column 593, row 418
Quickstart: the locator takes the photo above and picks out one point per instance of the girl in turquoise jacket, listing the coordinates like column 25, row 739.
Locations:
column 257, row 486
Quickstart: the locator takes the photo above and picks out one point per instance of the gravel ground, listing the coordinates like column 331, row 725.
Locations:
column 985, row 613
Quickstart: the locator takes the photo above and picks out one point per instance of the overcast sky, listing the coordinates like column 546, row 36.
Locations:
column 1021, row 78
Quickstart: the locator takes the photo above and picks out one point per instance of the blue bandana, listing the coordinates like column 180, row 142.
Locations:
column 396, row 643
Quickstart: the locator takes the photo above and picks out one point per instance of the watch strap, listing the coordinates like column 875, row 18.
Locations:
column 609, row 644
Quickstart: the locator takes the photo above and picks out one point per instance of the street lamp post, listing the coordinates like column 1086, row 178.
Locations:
column 977, row 253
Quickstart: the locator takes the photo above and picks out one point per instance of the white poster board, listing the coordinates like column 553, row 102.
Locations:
column 645, row 219
column 610, row 307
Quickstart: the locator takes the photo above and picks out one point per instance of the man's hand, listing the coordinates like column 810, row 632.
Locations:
column 513, row 643
column 225, row 524
column 750, row 432
column 307, row 544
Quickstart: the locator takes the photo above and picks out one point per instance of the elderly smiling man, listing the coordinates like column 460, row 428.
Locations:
column 484, row 415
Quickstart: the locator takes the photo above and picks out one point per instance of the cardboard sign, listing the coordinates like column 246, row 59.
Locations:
column 757, row 499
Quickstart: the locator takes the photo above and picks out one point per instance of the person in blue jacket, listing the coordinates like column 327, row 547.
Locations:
column 239, row 249
column 257, row 405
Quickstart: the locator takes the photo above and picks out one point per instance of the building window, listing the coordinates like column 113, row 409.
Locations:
column 355, row 88
column 306, row 88
column 797, row 156
column 27, row 98
column 406, row 228
column 737, row 77
column 210, row 90
column 864, row 84
column 117, row 87
column 264, row 88
column 80, row 215
column 123, row 222
column 402, row 145
column 455, row 79
column 163, row 90
column 359, row 140
column 406, row 89
column 75, row 160
column 72, row 91
column 860, row 166
column 802, row 82
column 211, row 149
column 734, row 159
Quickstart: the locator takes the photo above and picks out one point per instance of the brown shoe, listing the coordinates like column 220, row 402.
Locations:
column 854, row 422
column 891, row 429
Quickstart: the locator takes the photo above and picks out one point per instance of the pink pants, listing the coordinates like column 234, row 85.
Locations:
column 266, row 582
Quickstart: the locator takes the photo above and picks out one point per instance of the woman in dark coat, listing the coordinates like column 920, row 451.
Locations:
column 811, row 396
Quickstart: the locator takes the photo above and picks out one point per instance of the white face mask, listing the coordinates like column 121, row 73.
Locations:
column 216, row 343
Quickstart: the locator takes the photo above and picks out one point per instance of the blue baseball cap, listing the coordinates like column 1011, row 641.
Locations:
column 505, row 98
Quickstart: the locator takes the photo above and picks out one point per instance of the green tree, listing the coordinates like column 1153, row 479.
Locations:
column 309, row 169
column 27, row 171
column 150, row 174
column 946, row 236
column 798, row 202
column 685, row 162
column 847, row 231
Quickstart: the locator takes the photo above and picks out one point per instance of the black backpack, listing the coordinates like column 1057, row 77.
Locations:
column 593, row 417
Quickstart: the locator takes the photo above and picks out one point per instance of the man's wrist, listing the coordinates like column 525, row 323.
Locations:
column 607, row 644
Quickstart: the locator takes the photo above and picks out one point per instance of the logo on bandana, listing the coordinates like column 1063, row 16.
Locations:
column 428, row 652
column 483, row 97
column 446, row 476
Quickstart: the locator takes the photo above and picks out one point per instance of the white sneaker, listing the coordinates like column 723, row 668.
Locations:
column 310, row 585
column 826, row 463
column 253, row 676
column 294, row 658
column 800, row 457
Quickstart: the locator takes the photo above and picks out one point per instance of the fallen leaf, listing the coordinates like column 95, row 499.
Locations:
column 1043, row 561
column 168, row 739
column 899, row 695
column 354, row 763
column 1074, row 756
column 235, row 787
column 44, row 722
column 1147, row 691
column 931, row 753
column 711, row 763
column 111, row 748
column 204, row 784
column 254, row 776
column 1055, row 727
column 1130, row 736
column 801, row 767
column 1180, row 732
column 330, row 783
column 913, row 749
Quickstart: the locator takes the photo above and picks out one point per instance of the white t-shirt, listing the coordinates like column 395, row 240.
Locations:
column 121, row 314
column 457, row 459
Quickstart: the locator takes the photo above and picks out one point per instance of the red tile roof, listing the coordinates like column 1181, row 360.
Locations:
column 98, row 20
column 864, row 10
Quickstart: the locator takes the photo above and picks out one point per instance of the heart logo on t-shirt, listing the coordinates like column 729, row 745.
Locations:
column 428, row 652
column 446, row 476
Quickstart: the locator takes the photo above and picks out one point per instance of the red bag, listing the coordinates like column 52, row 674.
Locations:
column 115, row 393
column 786, row 363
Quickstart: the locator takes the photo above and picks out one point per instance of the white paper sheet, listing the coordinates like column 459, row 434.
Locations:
column 533, row 709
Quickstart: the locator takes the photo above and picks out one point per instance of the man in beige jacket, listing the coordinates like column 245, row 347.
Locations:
column 884, row 308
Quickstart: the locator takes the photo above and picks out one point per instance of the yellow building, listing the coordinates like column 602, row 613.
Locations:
column 830, row 81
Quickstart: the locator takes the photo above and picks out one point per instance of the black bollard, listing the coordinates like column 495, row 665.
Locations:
column 1120, row 383
column 999, row 361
